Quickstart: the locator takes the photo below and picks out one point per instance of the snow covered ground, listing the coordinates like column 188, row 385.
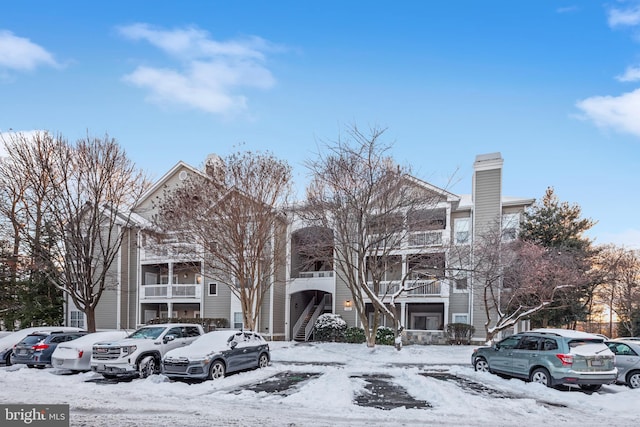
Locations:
column 329, row 398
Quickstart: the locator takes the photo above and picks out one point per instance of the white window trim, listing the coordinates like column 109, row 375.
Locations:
column 453, row 317
column 209, row 289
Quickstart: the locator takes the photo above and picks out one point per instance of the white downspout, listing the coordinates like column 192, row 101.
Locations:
column 119, row 288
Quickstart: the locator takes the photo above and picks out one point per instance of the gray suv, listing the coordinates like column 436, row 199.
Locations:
column 551, row 357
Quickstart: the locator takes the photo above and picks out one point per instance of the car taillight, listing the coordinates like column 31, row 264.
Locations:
column 80, row 353
column 566, row 359
column 39, row 347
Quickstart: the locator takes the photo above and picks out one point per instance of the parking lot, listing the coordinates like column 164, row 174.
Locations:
column 324, row 385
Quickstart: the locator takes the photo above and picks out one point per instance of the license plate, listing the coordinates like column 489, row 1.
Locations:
column 101, row 350
column 22, row 351
column 596, row 363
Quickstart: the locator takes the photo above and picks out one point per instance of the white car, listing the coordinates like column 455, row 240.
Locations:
column 76, row 355
column 8, row 342
column 140, row 354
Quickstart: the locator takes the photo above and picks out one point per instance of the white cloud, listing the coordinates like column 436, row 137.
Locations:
column 208, row 73
column 19, row 53
column 624, row 17
column 619, row 113
column 631, row 74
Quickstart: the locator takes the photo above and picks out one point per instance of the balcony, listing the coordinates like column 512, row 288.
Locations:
column 151, row 292
column 425, row 238
column 166, row 251
column 418, row 288
column 312, row 274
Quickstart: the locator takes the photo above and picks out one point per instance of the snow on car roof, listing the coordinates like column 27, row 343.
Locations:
column 569, row 333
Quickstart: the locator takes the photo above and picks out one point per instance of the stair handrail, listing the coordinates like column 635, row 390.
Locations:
column 305, row 312
column 312, row 322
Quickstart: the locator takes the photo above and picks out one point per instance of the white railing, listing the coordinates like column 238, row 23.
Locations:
column 155, row 291
column 417, row 288
column 308, row 330
column 425, row 238
column 170, row 251
column 171, row 291
column 303, row 316
column 312, row 274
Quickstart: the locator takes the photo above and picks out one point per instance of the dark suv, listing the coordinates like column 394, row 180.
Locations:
column 35, row 349
column 551, row 357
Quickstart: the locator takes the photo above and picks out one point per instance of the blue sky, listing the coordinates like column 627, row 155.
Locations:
column 552, row 85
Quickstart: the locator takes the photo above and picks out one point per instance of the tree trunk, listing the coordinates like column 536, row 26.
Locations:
column 91, row 318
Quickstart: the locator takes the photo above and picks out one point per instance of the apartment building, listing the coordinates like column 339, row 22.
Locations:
column 158, row 281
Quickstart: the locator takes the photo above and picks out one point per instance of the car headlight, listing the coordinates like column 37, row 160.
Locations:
column 129, row 349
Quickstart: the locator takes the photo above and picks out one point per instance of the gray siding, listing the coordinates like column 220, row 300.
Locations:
column 217, row 306
column 487, row 209
column 458, row 303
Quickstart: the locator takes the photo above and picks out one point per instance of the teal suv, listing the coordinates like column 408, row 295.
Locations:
column 551, row 357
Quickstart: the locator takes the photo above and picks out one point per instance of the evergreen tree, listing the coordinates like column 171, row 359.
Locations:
column 558, row 226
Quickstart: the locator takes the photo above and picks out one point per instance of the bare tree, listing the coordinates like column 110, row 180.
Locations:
column 621, row 287
column 234, row 212
column 370, row 204
column 26, row 190
column 94, row 186
column 515, row 279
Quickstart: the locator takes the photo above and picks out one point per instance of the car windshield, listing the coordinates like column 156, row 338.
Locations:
column 149, row 333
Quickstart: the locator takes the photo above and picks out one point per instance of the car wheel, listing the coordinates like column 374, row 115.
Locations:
column 31, row 366
column 7, row 360
column 217, row 370
column 541, row 376
column 590, row 387
column 481, row 365
column 633, row 379
column 147, row 367
column 263, row 361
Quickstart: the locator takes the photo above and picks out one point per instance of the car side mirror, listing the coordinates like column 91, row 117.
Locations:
column 496, row 346
column 169, row 338
column 233, row 344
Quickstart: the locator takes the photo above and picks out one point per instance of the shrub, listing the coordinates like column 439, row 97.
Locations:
column 460, row 333
column 330, row 327
column 354, row 335
column 385, row 336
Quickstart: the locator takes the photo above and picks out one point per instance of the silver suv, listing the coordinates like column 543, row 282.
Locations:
column 551, row 357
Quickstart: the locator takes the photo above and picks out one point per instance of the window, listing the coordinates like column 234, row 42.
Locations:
column 76, row 319
column 426, row 321
column 461, row 283
column 461, row 228
column 460, row 318
column 510, row 224
column 213, row 289
column 237, row 320
column 529, row 343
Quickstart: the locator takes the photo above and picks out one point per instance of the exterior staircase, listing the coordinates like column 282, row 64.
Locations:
column 301, row 335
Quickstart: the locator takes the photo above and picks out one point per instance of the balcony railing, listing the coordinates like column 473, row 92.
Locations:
column 425, row 238
column 171, row 291
column 312, row 274
column 416, row 288
column 170, row 251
